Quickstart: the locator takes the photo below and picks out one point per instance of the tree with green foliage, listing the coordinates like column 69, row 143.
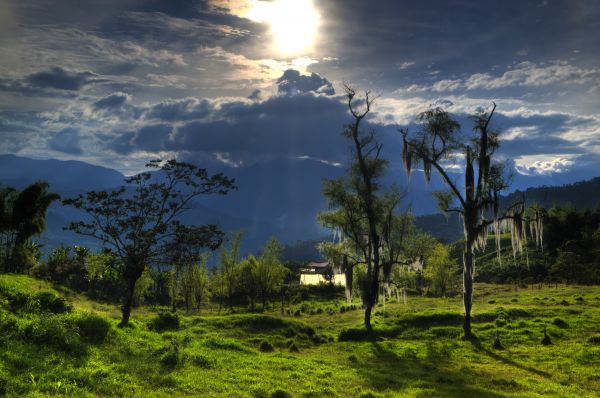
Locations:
column 478, row 202
column 229, row 266
column 22, row 216
column 355, row 200
column 191, row 283
column 247, row 282
column 441, row 270
column 141, row 223
column 269, row 272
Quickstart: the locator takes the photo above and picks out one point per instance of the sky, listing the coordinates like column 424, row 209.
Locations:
column 235, row 82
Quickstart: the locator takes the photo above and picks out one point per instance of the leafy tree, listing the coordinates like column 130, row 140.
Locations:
column 438, row 141
column 441, row 270
column 228, row 267
column 269, row 272
column 141, row 224
column 191, row 283
column 360, row 209
column 248, row 283
column 23, row 216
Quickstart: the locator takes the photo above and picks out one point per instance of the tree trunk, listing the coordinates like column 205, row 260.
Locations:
column 368, row 316
column 348, row 272
column 468, row 261
column 127, row 304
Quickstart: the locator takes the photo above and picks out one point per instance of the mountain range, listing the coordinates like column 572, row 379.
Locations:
column 278, row 197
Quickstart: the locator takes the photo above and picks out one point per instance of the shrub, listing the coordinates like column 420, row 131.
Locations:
column 54, row 331
column 170, row 359
column 497, row 345
column 560, row 323
column 92, row 328
column 165, row 321
column 51, row 302
column 352, row 358
column 265, row 346
column 546, row 339
column 280, row 394
column 202, row 361
column 294, row 348
column 594, row 339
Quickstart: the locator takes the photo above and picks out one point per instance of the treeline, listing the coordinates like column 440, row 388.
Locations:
column 233, row 284
column 570, row 252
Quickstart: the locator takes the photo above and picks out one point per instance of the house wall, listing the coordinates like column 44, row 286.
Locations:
column 315, row 279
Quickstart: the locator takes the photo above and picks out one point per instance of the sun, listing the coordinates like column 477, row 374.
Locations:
column 293, row 23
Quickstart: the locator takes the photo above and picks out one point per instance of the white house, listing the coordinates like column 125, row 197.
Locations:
column 316, row 273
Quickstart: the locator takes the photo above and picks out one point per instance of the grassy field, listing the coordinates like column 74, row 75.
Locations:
column 48, row 349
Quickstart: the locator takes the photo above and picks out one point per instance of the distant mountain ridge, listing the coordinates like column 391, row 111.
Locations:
column 280, row 197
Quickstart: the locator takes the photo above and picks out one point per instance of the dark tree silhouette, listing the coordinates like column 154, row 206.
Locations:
column 22, row 216
column 478, row 201
column 357, row 196
column 141, row 224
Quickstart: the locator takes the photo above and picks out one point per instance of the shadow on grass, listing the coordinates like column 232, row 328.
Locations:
column 479, row 347
column 389, row 371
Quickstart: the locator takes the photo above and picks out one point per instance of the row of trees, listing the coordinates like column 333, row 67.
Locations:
column 186, row 284
column 252, row 278
column 366, row 213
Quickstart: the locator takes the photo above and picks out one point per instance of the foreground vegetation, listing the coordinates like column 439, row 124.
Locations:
column 50, row 348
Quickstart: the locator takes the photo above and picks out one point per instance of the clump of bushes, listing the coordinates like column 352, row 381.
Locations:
column 280, row 394
column 594, row 339
column 546, row 339
column 202, row 361
column 559, row 323
column 92, row 328
column 44, row 301
column 497, row 345
column 265, row 346
column 165, row 321
column 54, row 331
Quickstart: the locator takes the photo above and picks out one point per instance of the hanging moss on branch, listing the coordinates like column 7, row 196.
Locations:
column 478, row 203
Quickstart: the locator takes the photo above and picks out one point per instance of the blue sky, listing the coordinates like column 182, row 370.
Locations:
column 118, row 82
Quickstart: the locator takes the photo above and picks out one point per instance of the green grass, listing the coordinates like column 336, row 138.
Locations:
column 415, row 350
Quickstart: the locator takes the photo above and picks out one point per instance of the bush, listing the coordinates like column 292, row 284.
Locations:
column 202, row 361
column 165, row 321
column 560, row 323
column 54, row 331
column 265, row 346
column 92, row 328
column 170, row 359
column 594, row 339
column 280, row 394
column 294, row 348
column 52, row 302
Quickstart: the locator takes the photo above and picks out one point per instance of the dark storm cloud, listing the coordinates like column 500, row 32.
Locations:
column 112, row 101
column 60, row 79
column 293, row 82
column 181, row 109
column 280, row 126
column 67, row 140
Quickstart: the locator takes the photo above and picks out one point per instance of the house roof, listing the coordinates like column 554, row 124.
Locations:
column 314, row 264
